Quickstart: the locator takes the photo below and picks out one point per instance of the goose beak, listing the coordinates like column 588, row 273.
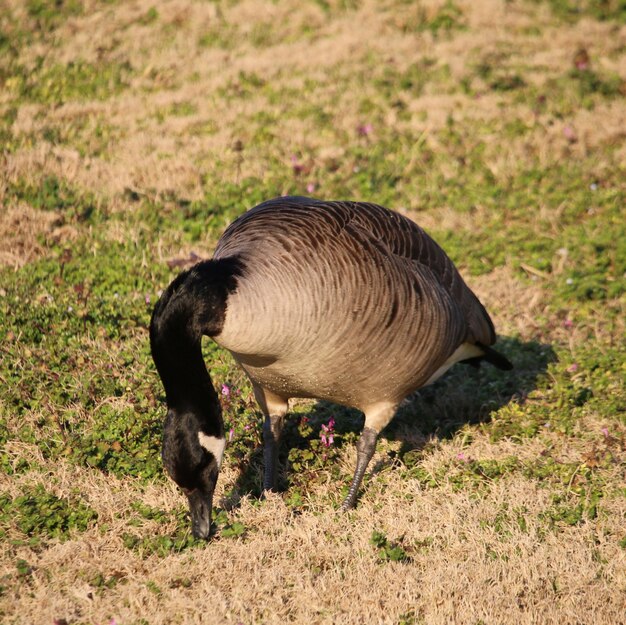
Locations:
column 200, row 504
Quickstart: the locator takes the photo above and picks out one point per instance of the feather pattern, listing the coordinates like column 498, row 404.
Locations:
column 326, row 283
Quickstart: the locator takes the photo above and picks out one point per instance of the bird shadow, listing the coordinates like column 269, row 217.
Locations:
column 464, row 396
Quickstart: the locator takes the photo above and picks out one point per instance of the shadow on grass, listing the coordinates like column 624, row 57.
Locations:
column 464, row 396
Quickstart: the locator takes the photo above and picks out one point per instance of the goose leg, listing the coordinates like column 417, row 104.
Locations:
column 272, row 428
column 364, row 451
column 376, row 419
column 274, row 408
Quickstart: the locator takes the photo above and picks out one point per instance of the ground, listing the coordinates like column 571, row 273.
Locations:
column 133, row 132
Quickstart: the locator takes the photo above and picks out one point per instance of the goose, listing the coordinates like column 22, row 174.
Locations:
column 342, row 301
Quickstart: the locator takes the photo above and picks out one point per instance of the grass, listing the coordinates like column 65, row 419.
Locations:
column 493, row 497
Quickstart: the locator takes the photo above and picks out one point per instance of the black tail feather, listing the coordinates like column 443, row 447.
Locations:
column 495, row 358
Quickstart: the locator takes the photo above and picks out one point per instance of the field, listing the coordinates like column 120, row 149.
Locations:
column 133, row 132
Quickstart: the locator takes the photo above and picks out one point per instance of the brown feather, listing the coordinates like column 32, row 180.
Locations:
column 349, row 301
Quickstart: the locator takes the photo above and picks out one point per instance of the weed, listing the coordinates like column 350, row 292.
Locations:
column 183, row 109
column 153, row 588
column 445, row 19
column 449, row 17
column 388, row 551
column 163, row 544
column 180, row 539
column 40, row 514
column 226, row 528
column 150, row 16
column 408, row 618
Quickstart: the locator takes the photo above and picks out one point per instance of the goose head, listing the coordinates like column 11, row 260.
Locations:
column 192, row 458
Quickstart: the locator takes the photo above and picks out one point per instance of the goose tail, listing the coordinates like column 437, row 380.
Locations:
column 490, row 355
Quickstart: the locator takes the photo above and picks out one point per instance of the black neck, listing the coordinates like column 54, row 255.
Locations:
column 194, row 304
column 188, row 386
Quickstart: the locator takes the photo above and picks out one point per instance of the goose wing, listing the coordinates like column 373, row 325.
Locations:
column 405, row 239
column 391, row 232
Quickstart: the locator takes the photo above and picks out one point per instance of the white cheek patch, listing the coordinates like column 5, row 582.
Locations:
column 213, row 445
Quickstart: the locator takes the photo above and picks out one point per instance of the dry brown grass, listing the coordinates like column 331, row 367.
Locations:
column 318, row 567
column 148, row 154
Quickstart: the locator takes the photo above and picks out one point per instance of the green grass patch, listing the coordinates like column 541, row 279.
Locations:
column 440, row 22
column 573, row 10
column 388, row 550
column 38, row 514
column 50, row 14
column 55, row 194
column 179, row 540
column 76, row 80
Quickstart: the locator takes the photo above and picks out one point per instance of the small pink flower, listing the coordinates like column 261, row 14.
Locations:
column 296, row 165
column 570, row 134
column 225, row 390
column 605, row 431
column 462, row 457
column 582, row 61
column 568, row 323
column 365, row 129
column 572, row 368
column 147, row 299
column 327, row 435
column 310, row 188
column 231, row 435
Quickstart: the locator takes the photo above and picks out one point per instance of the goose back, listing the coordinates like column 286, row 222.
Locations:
column 344, row 301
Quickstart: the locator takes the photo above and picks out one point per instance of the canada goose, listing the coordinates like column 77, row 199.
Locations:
column 343, row 301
